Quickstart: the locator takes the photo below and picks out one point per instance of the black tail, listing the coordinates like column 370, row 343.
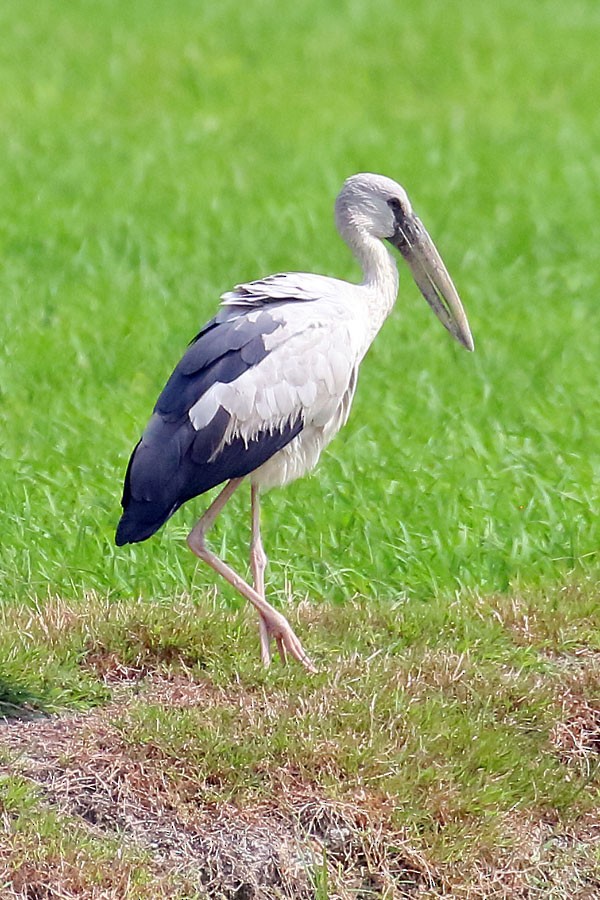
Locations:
column 150, row 490
column 173, row 463
column 140, row 520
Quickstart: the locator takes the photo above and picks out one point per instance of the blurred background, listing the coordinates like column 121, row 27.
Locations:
column 154, row 154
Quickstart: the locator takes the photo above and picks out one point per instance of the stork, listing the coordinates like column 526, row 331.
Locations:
column 269, row 381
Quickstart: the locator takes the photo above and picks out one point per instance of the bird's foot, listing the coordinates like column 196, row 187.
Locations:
column 274, row 626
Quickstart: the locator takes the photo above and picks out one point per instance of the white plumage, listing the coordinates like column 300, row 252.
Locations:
column 269, row 382
column 309, row 372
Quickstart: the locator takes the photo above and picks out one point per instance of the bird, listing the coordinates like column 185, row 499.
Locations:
column 269, row 381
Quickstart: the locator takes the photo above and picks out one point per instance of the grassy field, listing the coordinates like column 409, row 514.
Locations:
column 442, row 566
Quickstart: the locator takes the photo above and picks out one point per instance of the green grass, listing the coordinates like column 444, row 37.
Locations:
column 156, row 153
column 157, row 156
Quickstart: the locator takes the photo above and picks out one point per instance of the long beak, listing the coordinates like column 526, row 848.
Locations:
column 432, row 278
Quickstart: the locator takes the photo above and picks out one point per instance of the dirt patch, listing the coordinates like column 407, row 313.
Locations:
column 577, row 735
column 297, row 843
column 266, row 850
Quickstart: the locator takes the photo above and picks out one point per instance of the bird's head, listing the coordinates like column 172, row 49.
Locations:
column 369, row 202
column 379, row 207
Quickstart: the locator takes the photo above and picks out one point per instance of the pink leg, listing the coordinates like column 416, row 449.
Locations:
column 273, row 624
column 258, row 564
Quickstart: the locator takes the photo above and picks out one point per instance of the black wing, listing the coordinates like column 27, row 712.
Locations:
column 173, row 462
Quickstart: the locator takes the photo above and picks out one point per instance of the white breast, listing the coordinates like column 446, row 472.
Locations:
column 302, row 454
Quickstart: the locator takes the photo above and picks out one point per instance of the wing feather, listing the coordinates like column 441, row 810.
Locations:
column 253, row 378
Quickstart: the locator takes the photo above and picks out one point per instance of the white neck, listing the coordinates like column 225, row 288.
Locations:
column 380, row 274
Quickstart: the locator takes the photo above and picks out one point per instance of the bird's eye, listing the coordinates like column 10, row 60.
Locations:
column 395, row 205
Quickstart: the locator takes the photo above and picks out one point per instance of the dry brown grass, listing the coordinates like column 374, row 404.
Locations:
column 295, row 823
column 270, row 848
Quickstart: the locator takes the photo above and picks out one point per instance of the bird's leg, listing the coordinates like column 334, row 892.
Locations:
column 258, row 564
column 275, row 623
